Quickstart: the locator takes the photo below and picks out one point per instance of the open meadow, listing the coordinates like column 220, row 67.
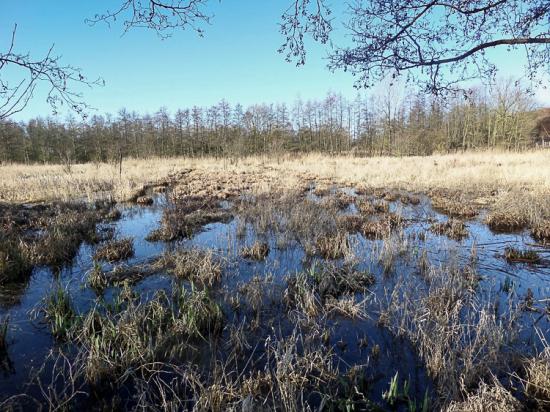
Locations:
column 295, row 283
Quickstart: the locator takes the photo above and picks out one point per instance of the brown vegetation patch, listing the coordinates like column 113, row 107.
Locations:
column 187, row 216
column 350, row 223
column 258, row 251
column 14, row 265
column 506, row 221
column 197, row 266
column 144, row 200
column 390, row 196
column 378, row 229
column 339, row 201
column 115, row 250
column 537, row 380
column 62, row 235
column 494, row 398
column 453, row 207
column 334, row 282
column 409, row 199
column 367, row 207
column 541, row 232
column 334, row 247
column 454, row 229
column 514, row 255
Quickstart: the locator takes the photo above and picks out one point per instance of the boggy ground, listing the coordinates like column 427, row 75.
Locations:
column 259, row 290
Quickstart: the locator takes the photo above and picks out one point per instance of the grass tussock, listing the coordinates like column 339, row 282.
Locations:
column 453, row 207
column 537, row 378
column 328, row 290
column 115, row 250
column 144, row 200
column 59, row 312
column 337, row 246
column 14, row 265
column 514, row 255
column 368, row 207
column 186, row 217
column 541, row 232
column 506, row 221
column 408, row 199
column 350, row 223
column 257, row 251
column 195, row 265
column 289, row 216
column 131, row 333
column 487, row 398
column 382, row 227
column 61, row 237
column 459, row 340
column 452, row 228
column 517, row 209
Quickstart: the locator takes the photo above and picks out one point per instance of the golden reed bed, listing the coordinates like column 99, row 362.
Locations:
column 475, row 172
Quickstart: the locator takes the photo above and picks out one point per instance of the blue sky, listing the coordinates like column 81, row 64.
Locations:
column 236, row 60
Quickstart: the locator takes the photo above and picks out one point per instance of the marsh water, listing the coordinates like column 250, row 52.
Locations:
column 352, row 340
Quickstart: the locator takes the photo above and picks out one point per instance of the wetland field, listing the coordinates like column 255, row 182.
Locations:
column 290, row 284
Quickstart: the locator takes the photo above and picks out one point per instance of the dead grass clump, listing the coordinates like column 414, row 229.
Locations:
column 115, row 250
column 409, row 199
column 195, row 265
column 513, row 255
column 187, row 216
column 333, row 282
column 258, row 294
column 258, row 251
column 367, row 207
column 454, row 208
column 460, row 340
column 378, row 229
column 334, row 247
column 390, row 196
column 506, row 221
column 452, row 228
column 350, row 223
column 144, row 200
column 14, row 265
column 133, row 334
column 62, row 235
column 159, row 189
column 517, row 209
column 322, row 190
column 537, row 379
column 487, row 398
column 299, row 368
column 541, row 232
column 288, row 215
column 346, row 306
column 113, row 215
column 301, row 294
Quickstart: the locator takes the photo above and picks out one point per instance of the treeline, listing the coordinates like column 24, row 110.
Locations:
column 383, row 124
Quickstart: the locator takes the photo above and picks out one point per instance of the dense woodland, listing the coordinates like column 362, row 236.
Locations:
column 388, row 123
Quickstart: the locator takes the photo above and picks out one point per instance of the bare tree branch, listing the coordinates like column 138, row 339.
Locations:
column 59, row 79
column 161, row 16
column 440, row 44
